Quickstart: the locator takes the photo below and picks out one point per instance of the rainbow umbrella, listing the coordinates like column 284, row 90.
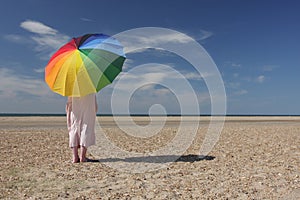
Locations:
column 84, row 65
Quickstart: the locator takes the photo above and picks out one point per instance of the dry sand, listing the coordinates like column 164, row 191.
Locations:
column 255, row 158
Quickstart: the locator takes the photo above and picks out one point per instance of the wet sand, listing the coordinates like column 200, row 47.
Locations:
column 254, row 158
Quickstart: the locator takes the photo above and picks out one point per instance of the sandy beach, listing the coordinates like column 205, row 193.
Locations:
column 254, row 158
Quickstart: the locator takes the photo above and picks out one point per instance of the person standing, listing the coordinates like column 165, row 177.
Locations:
column 81, row 117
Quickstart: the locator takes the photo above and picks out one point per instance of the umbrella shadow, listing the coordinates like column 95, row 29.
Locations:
column 157, row 159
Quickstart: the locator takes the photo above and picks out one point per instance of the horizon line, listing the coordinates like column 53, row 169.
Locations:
column 137, row 115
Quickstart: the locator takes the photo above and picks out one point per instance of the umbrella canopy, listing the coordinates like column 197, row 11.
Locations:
column 84, row 65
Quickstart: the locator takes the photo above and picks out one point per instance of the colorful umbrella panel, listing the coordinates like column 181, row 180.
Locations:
column 85, row 65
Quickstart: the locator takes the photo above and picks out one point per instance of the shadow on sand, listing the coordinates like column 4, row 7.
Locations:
column 157, row 159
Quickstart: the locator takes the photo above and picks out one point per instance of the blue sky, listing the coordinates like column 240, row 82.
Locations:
column 255, row 45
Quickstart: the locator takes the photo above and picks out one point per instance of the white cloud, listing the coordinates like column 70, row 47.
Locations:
column 155, row 82
column 39, row 70
column 12, row 83
column 26, row 94
column 156, row 38
column 241, row 92
column 86, row 19
column 38, row 27
column 127, row 64
column 269, row 68
column 147, row 87
column 204, row 35
column 49, row 42
column 200, row 34
column 233, row 85
column 193, row 76
column 15, row 38
column 260, row 79
column 235, row 75
column 155, row 73
column 45, row 38
column 162, row 91
column 233, row 64
column 144, row 40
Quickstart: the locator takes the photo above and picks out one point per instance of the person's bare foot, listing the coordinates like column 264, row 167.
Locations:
column 83, row 154
column 75, row 155
column 75, row 160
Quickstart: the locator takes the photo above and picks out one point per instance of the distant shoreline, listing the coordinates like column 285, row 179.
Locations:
column 141, row 115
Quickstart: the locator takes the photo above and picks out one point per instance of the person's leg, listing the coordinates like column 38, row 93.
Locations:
column 75, row 154
column 83, row 154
